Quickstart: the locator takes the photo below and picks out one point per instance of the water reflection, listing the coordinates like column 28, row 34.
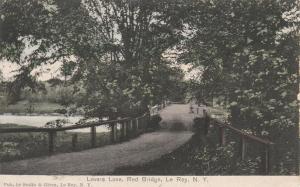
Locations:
column 41, row 120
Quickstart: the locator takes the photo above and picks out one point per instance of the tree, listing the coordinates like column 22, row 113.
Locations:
column 129, row 72
column 247, row 57
column 1, row 77
column 52, row 30
column 116, row 47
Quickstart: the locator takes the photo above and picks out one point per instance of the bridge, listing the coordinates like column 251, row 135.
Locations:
column 177, row 121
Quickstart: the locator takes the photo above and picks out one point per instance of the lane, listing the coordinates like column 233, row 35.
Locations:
column 179, row 113
column 105, row 160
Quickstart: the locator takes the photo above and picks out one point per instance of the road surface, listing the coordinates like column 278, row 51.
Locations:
column 104, row 160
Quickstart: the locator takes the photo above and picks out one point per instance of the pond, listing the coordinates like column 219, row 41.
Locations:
column 41, row 120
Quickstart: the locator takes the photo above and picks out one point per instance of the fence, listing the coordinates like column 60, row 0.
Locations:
column 155, row 109
column 120, row 130
column 243, row 139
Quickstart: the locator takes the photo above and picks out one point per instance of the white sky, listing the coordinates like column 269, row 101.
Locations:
column 50, row 71
column 47, row 71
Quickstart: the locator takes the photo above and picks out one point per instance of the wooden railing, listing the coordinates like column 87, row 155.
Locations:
column 129, row 127
column 155, row 109
column 244, row 138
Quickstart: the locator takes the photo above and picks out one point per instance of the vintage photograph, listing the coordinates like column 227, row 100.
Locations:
column 149, row 87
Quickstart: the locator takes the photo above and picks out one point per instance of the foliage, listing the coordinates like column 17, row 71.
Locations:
column 154, row 122
column 30, row 107
column 131, row 73
column 61, row 111
column 22, row 106
column 56, row 123
column 200, row 126
column 15, row 146
column 248, row 53
column 39, row 29
column 22, row 81
column 119, row 60
column 199, row 156
column 1, row 77
column 112, row 54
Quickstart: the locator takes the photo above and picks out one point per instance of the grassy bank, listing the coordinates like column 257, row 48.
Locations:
column 34, row 107
column 14, row 146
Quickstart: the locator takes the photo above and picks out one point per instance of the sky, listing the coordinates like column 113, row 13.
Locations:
column 48, row 71
column 9, row 69
column 51, row 71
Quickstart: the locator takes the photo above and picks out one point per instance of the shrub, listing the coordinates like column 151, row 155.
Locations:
column 60, row 111
column 154, row 122
column 200, row 125
column 56, row 123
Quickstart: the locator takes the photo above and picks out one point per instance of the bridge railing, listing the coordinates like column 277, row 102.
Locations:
column 120, row 130
column 243, row 139
column 155, row 109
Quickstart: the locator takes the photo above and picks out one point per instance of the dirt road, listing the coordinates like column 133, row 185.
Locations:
column 105, row 160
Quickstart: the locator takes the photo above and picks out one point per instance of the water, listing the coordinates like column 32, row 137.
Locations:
column 41, row 120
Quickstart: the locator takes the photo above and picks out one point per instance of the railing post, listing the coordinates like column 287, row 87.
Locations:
column 93, row 136
column 147, row 121
column 144, row 123
column 243, row 147
column 266, row 159
column 206, row 121
column 137, row 123
column 74, row 141
column 134, row 127
column 112, row 133
column 116, row 132
column 131, row 128
column 123, row 130
column 222, row 136
column 128, row 129
column 52, row 135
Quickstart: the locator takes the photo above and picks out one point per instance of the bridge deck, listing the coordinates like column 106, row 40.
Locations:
column 105, row 160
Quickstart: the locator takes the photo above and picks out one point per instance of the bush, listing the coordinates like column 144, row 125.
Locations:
column 200, row 125
column 61, row 111
column 210, row 160
column 154, row 122
column 56, row 123
column 15, row 146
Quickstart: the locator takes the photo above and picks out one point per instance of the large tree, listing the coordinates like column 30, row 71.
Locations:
column 132, row 71
column 248, row 53
column 114, row 48
column 36, row 33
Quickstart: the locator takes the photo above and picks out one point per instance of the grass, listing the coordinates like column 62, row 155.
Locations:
column 15, row 146
column 37, row 107
column 12, row 125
